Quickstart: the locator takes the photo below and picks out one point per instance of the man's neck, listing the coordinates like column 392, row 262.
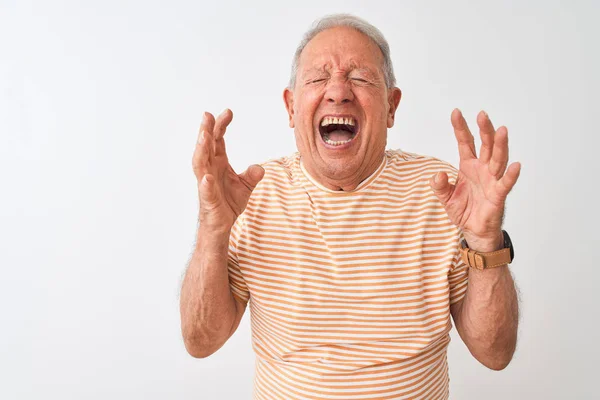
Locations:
column 348, row 184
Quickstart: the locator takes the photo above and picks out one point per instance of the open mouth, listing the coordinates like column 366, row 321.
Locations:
column 337, row 131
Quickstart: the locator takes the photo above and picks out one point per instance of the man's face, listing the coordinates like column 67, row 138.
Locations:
column 340, row 107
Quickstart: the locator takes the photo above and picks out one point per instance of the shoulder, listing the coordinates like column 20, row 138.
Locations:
column 280, row 181
column 405, row 163
column 280, row 173
column 282, row 166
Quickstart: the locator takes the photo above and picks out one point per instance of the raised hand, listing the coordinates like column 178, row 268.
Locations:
column 223, row 194
column 475, row 203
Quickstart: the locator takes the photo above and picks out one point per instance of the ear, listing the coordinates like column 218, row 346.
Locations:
column 288, row 99
column 394, row 96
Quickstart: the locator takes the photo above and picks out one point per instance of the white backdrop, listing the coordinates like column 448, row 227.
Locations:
column 100, row 103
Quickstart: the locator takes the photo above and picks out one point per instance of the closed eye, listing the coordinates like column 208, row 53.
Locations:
column 317, row 80
column 359, row 80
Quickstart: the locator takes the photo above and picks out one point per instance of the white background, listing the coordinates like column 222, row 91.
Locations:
column 100, row 103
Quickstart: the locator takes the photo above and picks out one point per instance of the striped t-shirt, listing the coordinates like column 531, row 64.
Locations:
column 349, row 290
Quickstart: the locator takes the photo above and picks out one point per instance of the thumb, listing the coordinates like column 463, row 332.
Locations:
column 441, row 187
column 252, row 175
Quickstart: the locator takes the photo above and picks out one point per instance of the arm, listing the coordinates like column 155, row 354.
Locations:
column 487, row 317
column 210, row 314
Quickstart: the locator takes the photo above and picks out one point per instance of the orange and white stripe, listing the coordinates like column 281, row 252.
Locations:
column 349, row 291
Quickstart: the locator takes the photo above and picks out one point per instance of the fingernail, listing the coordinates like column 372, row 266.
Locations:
column 202, row 136
column 436, row 178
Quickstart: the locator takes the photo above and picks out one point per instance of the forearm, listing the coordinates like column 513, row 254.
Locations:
column 487, row 320
column 207, row 306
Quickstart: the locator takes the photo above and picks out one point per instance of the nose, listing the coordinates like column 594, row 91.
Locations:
column 339, row 91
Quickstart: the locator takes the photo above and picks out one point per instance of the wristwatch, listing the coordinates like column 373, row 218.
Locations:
column 494, row 259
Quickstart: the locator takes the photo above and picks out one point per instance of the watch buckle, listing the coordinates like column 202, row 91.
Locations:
column 479, row 261
column 471, row 258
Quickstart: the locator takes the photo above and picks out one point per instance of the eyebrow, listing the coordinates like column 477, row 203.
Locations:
column 314, row 69
column 352, row 68
column 365, row 70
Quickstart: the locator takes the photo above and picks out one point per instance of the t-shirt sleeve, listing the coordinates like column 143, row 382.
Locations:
column 458, row 277
column 237, row 284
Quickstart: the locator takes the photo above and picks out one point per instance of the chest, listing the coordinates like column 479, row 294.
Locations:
column 380, row 248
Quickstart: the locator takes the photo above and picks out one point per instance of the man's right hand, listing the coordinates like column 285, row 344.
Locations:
column 223, row 194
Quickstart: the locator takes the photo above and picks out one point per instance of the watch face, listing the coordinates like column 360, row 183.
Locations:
column 508, row 244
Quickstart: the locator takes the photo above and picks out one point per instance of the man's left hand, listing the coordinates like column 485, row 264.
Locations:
column 475, row 203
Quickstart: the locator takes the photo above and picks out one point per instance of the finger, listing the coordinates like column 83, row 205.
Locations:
column 203, row 155
column 466, row 142
column 209, row 147
column 223, row 120
column 441, row 187
column 505, row 185
column 499, row 159
column 486, row 131
column 208, row 125
column 252, row 176
column 220, row 147
column 208, row 122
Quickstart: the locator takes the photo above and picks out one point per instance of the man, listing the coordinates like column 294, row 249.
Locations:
column 350, row 252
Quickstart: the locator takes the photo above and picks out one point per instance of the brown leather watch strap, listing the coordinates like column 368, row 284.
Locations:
column 483, row 261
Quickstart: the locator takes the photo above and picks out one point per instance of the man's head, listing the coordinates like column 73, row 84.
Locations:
column 341, row 100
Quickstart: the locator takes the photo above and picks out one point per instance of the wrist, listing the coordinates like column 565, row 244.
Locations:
column 213, row 240
column 486, row 244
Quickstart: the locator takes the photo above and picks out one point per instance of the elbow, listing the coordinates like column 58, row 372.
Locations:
column 200, row 344
column 203, row 339
column 495, row 353
column 198, row 352
column 197, row 348
column 497, row 360
column 497, row 364
column 197, row 343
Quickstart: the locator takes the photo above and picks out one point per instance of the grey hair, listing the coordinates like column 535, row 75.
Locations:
column 335, row 20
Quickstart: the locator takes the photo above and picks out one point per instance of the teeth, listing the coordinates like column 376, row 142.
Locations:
column 336, row 142
column 334, row 120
